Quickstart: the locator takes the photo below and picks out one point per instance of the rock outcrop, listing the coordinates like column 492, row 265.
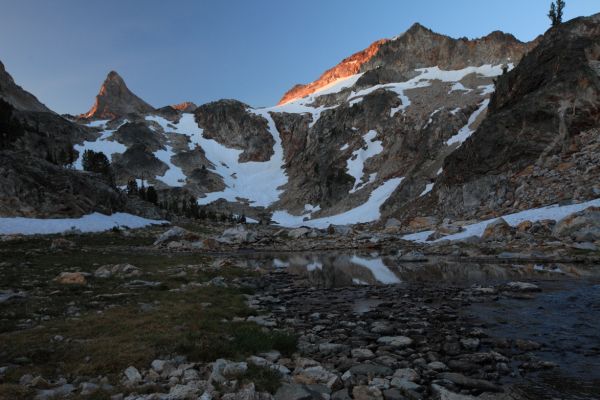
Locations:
column 539, row 143
column 229, row 123
column 32, row 187
column 17, row 97
column 116, row 100
column 396, row 59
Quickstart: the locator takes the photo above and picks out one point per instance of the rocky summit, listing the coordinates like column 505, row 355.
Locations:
column 422, row 221
column 116, row 100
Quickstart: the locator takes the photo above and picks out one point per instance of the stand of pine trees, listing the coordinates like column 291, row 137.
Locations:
column 181, row 205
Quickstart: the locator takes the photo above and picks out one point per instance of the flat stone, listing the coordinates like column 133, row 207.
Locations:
column 395, row 341
column 289, row 391
column 371, row 370
column 464, row 381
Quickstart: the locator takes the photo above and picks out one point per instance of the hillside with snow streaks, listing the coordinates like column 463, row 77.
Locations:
column 256, row 182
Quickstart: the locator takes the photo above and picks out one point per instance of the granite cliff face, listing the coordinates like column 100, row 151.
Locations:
column 539, row 143
column 116, row 100
column 396, row 59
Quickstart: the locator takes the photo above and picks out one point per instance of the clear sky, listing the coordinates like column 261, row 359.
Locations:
column 251, row 50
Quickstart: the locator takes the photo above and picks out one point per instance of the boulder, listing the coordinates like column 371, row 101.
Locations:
column 497, row 230
column 239, row 234
column 582, row 226
column 71, row 278
column 121, row 270
column 175, row 233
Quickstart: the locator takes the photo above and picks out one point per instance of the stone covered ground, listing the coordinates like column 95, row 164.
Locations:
column 163, row 313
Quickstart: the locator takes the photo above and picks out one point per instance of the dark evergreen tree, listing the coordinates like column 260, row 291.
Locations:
column 194, row 211
column 98, row 163
column 556, row 12
column 243, row 219
column 151, row 195
column 10, row 128
column 132, row 187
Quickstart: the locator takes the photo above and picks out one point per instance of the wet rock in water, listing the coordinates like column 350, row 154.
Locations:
column 441, row 393
column 522, row 287
column 470, row 343
column 471, row 383
column 7, row 295
column 71, row 278
column 289, row 391
column 395, row 341
column 527, row 345
column 121, row 270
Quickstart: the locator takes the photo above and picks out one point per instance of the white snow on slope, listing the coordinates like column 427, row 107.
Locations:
column 334, row 87
column 427, row 189
column 366, row 212
column 424, row 79
column 102, row 144
column 356, row 163
column 174, row 176
column 95, row 222
column 554, row 212
column 466, row 130
column 256, row 181
column 379, row 270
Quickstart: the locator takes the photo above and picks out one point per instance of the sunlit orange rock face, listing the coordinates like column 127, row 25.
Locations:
column 186, row 107
column 349, row 66
column 116, row 100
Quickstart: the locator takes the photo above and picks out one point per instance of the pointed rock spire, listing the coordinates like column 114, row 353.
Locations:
column 116, row 100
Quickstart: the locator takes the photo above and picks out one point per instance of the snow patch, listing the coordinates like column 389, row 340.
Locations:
column 258, row 182
column 553, row 212
column 95, row 222
column 366, row 212
column 428, row 188
column 466, row 131
column 356, row 163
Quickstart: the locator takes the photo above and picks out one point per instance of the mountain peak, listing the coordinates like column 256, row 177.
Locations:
column 116, row 100
column 16, row 95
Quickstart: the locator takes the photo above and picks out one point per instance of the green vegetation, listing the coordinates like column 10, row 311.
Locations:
column 105, row 326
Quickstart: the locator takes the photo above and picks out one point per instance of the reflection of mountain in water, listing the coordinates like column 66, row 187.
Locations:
column 336, row 270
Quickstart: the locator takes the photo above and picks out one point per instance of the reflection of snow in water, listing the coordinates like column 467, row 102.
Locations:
column 379, row 270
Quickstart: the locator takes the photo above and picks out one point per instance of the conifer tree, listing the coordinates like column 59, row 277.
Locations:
column 556, row 12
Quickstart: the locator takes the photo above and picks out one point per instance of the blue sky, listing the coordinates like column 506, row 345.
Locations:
column 173, row 51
